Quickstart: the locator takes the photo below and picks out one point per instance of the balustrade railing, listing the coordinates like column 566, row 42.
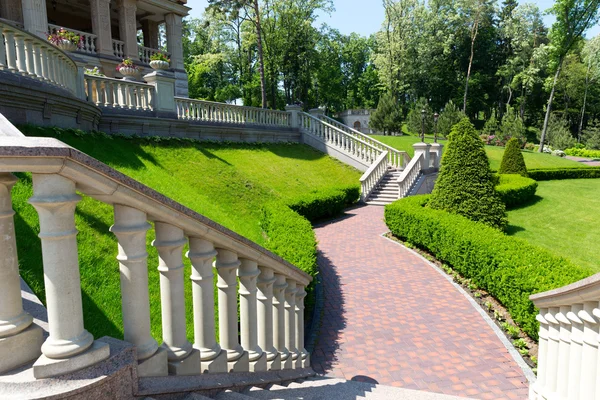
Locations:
column 396, row 158
column 88, row 40
column 208, row 111
column 118, row 48
column 568, row 349
column 27, row 55
column 271, row 291
column 119, row 93
column 147, row 52
column 410, row 175
column 373, row 176
column 338, row 138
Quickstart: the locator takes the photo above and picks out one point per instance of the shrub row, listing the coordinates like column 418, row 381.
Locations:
column 564, row 173
column 583, row 153
column 515, row 189
column 510, row 269
column 326, row 203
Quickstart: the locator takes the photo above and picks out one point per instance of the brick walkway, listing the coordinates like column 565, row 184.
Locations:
column 389, row 317
column 585, row 161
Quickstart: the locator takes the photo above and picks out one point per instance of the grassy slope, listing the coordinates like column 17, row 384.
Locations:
column 564, row 219
column 227, row 183
column 533, row 160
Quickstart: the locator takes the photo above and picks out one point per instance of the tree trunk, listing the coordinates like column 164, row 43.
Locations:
column 261, row 61
column 549, row 107
column 587, row 81
column 473, row 37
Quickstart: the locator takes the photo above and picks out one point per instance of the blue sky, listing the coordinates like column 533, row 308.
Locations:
column 365, row 16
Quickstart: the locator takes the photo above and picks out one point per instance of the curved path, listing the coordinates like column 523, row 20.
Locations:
column 391, row 318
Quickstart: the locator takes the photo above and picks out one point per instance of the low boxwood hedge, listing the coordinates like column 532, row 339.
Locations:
column 564, row 173
column 325, row 203
column 583, row 153
column 515, row 189
column 510, row 269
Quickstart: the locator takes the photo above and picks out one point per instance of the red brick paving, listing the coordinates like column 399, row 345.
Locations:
column 392, row 318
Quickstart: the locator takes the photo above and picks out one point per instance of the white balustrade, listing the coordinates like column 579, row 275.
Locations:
column 248, row 274
column 118, row 48
column 88, row 40
column 147, row 52
column 27, row 55
column 119, row 93
column 208, row 111
column 290, row 323
column 373, row 176
column 409, row 176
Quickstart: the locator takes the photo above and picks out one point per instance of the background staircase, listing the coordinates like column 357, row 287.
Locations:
column 386, row 191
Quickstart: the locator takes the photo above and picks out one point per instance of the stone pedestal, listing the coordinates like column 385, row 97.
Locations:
column 316, row 112
column 423, row 148
column 46, row 367
column 436, row 154
column 164, row 93
column 294, row 110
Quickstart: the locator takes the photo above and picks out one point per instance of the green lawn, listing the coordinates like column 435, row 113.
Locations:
column 564, row 219
column 532, row 160
column 227, row 183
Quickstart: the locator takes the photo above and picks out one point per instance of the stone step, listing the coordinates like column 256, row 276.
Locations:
column 196, row 396
column 378, row 203
column 229, row 395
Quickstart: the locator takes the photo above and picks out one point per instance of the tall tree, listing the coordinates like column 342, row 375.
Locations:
column 591, row 56
column 573, row 18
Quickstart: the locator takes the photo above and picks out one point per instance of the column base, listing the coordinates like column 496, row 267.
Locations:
column 242, row 364
column 155, row 365
column 288, row 363
column 275, row 364
column 20, row 348
column 188, row 366
column 306, row 360
column 46, row 367
column 298, row 361
column 259, row 365
column 216, row 365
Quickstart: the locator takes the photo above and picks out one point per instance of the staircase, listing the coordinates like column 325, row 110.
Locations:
column 386, row 191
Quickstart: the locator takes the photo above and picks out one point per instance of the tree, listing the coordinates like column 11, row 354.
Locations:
column 465, row 184
column 512, row 159
column 591, row 136
column 573, row 18
column 558, row 135
column 512, row 127
column 492, row 126
column 449, row 117
column 387, row 118
column 415, row 121
column 591, row 56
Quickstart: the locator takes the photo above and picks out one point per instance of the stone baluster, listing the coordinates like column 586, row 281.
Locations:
column 589, row 359
column 201, row 254
column 303, row 358
column 553, row 344
column 265, row 282
column 29, row 60
column 576, row 350
column 563, row 351
column 11, row 51
column 227, row 264
column 540, row 383
column 248, row 274
column 69, row 347
column 45, row 66
column 16, row 328
column 130, row 228
column 2, row 52
column 290, row 322
column 21, row 59
column 279, row 323
column 183, row 359
column 37, row 60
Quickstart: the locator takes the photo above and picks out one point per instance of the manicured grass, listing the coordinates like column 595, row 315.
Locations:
column 532, row 160
column 228, row 183
column 564, row 219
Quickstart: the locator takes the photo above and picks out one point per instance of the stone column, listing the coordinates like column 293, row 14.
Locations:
column 265, row 317
column 589, row 358
column 150, row 29
column 175, row 47
column 101, row 26
column 423, row 148
column 436, row 149
column 227, row 264
column 212, row 358
column 290, row 323
column 553, row 343
column 16, row 328
column 248, row 273
column 183, row 360
column 55, row 201
column 303, row 359
column 128, row 28
column 11, row 10
column 35, row 17
column 563, row 350
column 294, row 110
column 576, row 349
column 279, row 325
column 130, row 229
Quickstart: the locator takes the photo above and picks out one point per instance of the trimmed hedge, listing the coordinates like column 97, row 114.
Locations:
column 324, row 204
column 512, row 159
column 508, row 268
column 583, row 153
column 515, row 189
column 564, row 173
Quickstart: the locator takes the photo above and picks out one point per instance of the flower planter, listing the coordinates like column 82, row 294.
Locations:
column 66, row 45
column 159, row 64
column 128, row 71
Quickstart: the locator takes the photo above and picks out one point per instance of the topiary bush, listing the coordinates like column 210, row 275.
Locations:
column 465, row 185
column 512, row 160
column 564, row 173
column 515, row 189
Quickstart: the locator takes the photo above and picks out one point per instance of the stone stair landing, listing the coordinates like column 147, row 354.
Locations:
column 387, row 190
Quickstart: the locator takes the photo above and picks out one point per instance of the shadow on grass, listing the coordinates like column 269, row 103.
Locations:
column 534, row 200
column 513, row 229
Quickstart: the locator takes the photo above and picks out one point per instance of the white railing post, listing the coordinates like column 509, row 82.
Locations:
column 279, row 323
column 303, row 360
column 265, row 282
column 183, row 359
column 294, row 111
column 589, row 358
column 20, row 340
column 55, row 200
column 564, row 348
column 130, row 228
column 576, row 351
column 248, row 274
column 227, row 264
column 202, row 254
column 290, row 323
column 437, row 149
column 21, row 62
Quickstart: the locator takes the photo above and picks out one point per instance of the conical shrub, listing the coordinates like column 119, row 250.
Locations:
column 465, row 184
column 512, row 160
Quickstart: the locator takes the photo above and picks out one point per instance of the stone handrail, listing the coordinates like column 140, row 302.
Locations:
column 118, row 48
column 396, row 158
column 373, row 175
column 410, row 175
column 209, row 111
column 119, row 93
column 338, row 138
column 88, row 40
column 271, row 290
column 568, row 359
column 27, row 55
column 147, row 52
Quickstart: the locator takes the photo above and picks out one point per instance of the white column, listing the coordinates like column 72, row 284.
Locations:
column 265, row 282
column 589, row 359
column 227, row 264
column 201, row 254
column 564, row 348
column 553, row 342
column 101, row 26
column 173, row 23
column 302, row 353
column 279, row 324
column 423, row 148
column 437, row 149
column 21, row 59
column 539, row 386
column 576, row 350
column 128, row 28
column 35, row 17
column 248, row 273
column 294, row 111
column 290, row 320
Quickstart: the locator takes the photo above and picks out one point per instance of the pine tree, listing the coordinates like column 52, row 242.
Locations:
column 449, row 117
column 387, row 118
column 415, row 118
column 512, row 160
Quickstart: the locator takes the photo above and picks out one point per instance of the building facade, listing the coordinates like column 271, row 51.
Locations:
column 357, row 119
column 110, row 30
